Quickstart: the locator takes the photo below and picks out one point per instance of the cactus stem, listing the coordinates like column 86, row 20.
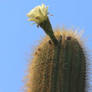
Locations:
column 58, row 68
column 46, row 26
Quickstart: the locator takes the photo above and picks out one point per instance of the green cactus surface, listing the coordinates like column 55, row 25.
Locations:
column 60, row 68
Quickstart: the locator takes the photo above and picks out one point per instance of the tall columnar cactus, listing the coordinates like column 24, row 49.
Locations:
column 59, row 62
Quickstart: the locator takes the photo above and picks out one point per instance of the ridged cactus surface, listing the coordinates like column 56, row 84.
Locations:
column 59, row 68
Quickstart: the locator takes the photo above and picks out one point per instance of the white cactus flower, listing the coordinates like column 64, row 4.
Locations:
column 38, row 14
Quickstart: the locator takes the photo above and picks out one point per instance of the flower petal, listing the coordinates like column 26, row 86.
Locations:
column 38, row 14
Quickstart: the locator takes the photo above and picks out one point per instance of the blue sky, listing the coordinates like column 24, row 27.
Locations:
column 18, row 37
